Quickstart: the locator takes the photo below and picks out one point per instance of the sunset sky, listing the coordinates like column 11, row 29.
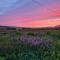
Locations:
column 29, row 13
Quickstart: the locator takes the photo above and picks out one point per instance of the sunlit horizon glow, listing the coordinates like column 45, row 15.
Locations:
column 34, row 24
column 44, row 23
column 27, row 13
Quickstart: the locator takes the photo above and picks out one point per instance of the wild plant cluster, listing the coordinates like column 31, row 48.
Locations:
column 30, row 45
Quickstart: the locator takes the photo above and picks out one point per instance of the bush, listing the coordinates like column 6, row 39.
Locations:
column 2, row 58
column 18, row 33
column 30, row 33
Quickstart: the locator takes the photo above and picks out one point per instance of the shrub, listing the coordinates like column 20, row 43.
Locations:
column 2, row 58
column 30, row 33
column 18, row 33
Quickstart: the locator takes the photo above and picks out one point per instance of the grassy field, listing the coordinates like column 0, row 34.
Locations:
column 29, row 45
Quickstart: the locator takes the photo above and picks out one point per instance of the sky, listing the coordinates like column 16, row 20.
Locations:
column 30, row 13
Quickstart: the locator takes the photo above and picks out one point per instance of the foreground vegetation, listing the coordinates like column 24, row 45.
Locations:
column 40, row 45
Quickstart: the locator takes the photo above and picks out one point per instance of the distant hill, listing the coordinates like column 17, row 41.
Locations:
column 58, row 26
column 7, row 28
column 27, row 29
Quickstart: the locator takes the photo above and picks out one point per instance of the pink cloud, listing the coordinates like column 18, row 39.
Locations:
column 45, row 16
